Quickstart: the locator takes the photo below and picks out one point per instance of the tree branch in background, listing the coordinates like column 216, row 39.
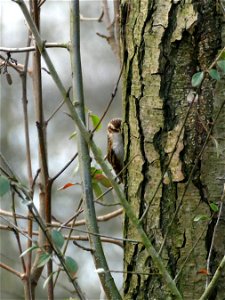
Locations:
column 32, row 48
column 31, row 181
column 106, row 279
column 11, row 270
column 112, row 27
column 44, row 189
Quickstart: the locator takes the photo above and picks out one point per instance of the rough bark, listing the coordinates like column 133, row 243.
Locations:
column 164, row 43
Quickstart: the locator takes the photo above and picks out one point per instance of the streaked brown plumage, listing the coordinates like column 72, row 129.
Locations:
column 115, row 151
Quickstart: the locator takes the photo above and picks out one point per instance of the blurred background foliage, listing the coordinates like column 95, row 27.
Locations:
column 100, row 73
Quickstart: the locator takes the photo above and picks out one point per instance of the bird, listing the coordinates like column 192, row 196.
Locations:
column 115, row 146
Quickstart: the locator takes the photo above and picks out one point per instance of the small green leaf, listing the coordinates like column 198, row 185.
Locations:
column 97, row 190
column 214, row 74
column 57, row 238
column 103, row 180
column 197, row 79
column 73, row 135
column 4, row 185
column 71, row 265
column 43, row 259
column 201, row 218
column 221, row 65
column 95, row 121
column 48, row 279
column 95, row 171
column 214, row 207
column 29, row 250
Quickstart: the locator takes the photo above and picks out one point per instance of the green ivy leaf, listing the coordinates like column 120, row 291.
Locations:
column 197, row 79
column 221, row 65
column 214, row 74
column 4, row 185
column 57, row 238
column 29, row 250
column 95, row 121
column 43, row 259
column 214, row 207
column 71, row 265
column 201, row 218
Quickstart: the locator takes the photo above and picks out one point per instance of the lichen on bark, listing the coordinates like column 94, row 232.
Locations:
column 164, row 44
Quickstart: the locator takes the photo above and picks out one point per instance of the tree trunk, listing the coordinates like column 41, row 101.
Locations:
column 163, row 44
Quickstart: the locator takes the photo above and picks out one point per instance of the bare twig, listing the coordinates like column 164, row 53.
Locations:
column 64, row 168
column 112, row 27
column 214, row 234
column 35, row 179
column 32, row 48
column 110, row 101
column 23, row 76
column 11, row 270
column 78, row 211
column 104, row 239
column 188, row 256
column 82, row 247
column 214, row 280
column 16, row 232
column 102, row 218
column 17, row 67
column 135, row 273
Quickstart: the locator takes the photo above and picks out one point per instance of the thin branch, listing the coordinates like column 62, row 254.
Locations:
column 104, row 239
column 112, row 37
column 44, row 213
column 55, row 111
column 17, row 67
column 23, row 76
column 32, row 48
column 188, row 256
column 15, row 228
column 214, row 280
column 78, row 211
column 11, row 270
column 82, row 247
column 135, row 273
column 102, row 218
column 104, row 236
column 72, row 220
column 16, row 232
column 214, row 234
column 64, row 168
column 107, row 281
column 217, row 58
column 111, row 100
column 35, row 179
